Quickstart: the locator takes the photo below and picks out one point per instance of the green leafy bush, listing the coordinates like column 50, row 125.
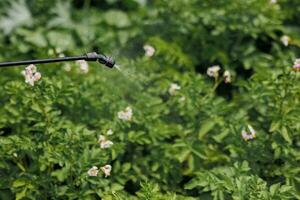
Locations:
column 168, row 125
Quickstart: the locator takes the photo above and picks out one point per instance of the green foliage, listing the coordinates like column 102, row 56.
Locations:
column 184, row 140
column 226, row 182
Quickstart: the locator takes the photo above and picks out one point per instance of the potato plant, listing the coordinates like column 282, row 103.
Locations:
column 204, row 104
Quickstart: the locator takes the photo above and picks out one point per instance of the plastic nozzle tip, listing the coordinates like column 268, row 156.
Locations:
column 106, row 60
column 110, row 62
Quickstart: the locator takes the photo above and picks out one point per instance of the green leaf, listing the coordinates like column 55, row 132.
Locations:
column 116, row 187
column 192, row 184
column 274, row 126
column 205, row 128
column 17, row 15
column 21, row 195
column 221, row 136
column 18, row 183
column 117, row 18
column 62, row 174
column 285, row 134
column 183, row 155
column 274, row 188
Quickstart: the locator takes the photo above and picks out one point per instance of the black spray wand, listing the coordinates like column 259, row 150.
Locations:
column 107, row 61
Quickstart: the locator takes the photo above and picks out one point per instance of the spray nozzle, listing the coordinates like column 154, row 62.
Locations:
column 106, row 60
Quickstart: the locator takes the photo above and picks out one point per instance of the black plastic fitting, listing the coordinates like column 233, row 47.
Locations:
column 105, row 60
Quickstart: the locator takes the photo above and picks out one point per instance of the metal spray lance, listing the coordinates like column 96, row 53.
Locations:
column 93, row 56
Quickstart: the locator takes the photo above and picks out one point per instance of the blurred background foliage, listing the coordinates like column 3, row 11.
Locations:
column 182, row 146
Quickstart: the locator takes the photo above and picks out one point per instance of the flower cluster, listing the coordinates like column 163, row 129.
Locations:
column 31, row 75
column 213, row 71
column 83, row 66
column 104, row 143
column 126, row 114
column 94, row 171
column 296, row 66
column 173, row 88
column 149, row 50
column 249, row 136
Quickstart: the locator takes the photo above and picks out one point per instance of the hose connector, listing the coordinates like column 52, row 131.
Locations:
column 106, row 60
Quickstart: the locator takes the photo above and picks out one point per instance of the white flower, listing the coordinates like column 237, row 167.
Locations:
column 297, row 61
column 213, row 71
column 61, row 55
column 83, row 65
column 58, row 50
column 296, row 66
column 30, row 69
column 106, row 170
column 109, row 132
column 252, row 131
column 149, row 50
column 126, row 114
column 227, row 76
column 285, row 40
column 246, row 136
column 93, row 171
column 31, row 75
column 182, row 99
column 173, row 88
column 273, row 1
column 67, row 67
column 104, row 143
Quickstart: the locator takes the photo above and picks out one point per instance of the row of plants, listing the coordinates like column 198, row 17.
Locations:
column 204, row 105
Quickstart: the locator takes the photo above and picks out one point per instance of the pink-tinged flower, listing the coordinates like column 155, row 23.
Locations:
column 173, row 88
column 213, row 71
column 285, row 40
column 104, row 143
column 126, row 114
column 37, row 76
column 227, row 77
column 106, row 170
column 31, row 75
column 149, row 50
column 245, row 135
column 249, row 136
column 83, row 66
column 296, row 66
column 93, row 171
column 30, row 69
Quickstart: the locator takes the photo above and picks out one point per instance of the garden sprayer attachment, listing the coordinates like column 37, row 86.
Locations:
column 105, row 60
